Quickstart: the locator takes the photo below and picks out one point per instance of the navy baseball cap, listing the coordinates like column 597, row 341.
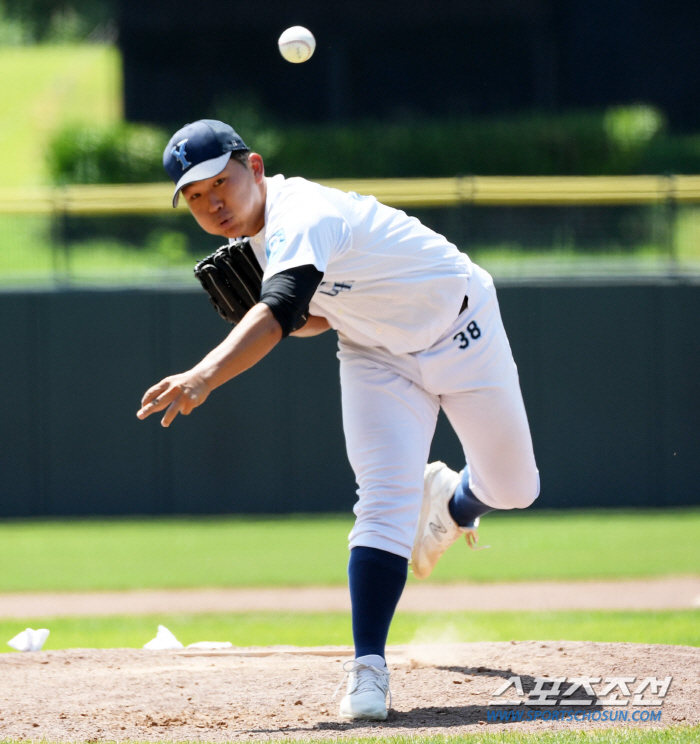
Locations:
column 198, row 151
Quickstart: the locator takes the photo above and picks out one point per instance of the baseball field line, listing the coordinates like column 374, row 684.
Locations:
column 666, row 593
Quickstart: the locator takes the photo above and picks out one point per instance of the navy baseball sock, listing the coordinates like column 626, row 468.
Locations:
column 377, row 579
column 464, row 506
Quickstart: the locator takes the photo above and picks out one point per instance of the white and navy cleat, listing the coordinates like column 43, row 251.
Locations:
column 436, row 529
column 367, row 690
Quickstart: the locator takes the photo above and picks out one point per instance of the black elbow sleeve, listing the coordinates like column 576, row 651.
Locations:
column 288, row 295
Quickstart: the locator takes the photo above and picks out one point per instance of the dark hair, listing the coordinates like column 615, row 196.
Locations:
column 241, row 156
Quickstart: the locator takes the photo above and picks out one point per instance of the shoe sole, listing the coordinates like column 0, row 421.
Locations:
column 378, row 717
column 431, row 471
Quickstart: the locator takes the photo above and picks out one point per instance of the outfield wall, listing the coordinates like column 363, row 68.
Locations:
column 610, row 375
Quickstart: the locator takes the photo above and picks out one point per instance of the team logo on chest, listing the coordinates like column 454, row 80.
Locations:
column 275, row 246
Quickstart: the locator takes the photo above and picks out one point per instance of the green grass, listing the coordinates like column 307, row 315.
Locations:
column 515, row 263
column 111, row 263
column 25, row 249
column 229, row 552
column 44, row 87
column 681, row 628
column 670, row 735
column 30, row 256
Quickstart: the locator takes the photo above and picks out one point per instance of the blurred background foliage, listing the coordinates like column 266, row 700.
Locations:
column 56, row 21
column 45, row 89
column 119, row 153
column 62, row 122
column 619, row 141
column 79, row 146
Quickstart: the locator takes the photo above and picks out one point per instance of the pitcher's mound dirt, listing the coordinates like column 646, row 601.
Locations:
column 93, row 695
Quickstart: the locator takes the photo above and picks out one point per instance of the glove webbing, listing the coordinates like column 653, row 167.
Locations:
column 232, row 278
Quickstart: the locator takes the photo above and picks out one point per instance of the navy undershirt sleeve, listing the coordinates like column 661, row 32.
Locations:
column 289, row 293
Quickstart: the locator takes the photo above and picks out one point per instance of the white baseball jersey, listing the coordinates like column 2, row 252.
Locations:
column 393, row 290
column 388, row 281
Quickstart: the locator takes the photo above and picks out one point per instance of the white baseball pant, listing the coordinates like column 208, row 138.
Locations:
column 390, row 408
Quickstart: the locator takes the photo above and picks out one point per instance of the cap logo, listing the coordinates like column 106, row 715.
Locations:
column 179, row 153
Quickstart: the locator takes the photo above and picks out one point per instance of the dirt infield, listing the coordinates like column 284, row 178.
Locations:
column 90, row 695
column 666, row 593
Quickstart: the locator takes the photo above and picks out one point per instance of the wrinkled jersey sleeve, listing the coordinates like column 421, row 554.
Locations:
column 305, row 234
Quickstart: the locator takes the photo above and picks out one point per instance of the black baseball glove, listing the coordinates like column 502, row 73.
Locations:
column 232, row 278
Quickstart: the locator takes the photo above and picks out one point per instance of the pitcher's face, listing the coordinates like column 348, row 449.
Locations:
column 232, row 203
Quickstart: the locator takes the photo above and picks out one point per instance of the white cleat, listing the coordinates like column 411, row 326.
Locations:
column 436, row 529
column 368, row 686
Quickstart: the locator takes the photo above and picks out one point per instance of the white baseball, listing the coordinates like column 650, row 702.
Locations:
column 297, row 44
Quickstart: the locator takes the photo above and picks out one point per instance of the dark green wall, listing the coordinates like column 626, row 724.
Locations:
column 610, row 375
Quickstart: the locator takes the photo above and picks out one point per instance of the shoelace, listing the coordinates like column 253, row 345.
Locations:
column 364, row 682
column 471, row 536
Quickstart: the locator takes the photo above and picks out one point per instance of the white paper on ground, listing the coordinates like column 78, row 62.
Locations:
column 29, row 640
column 164, row 640
column 211, row 645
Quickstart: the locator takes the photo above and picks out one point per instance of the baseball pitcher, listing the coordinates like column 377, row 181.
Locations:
column 419, row 329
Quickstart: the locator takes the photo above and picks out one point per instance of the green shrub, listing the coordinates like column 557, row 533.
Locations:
column 679, row 154
column 125, row 153
column 620, row 141
column 578, row 143
column 56, row 21
column 526, row 145
column 13, row 32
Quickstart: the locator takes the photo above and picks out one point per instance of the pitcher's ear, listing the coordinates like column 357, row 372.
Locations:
column 255, row 163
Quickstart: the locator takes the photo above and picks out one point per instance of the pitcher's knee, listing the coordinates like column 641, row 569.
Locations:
column 526, row 492
column 526, row 496
column 515, row 495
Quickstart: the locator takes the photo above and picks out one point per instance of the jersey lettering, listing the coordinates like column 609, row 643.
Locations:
column 336, row 289
column 471, row 331
column 474, row 330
